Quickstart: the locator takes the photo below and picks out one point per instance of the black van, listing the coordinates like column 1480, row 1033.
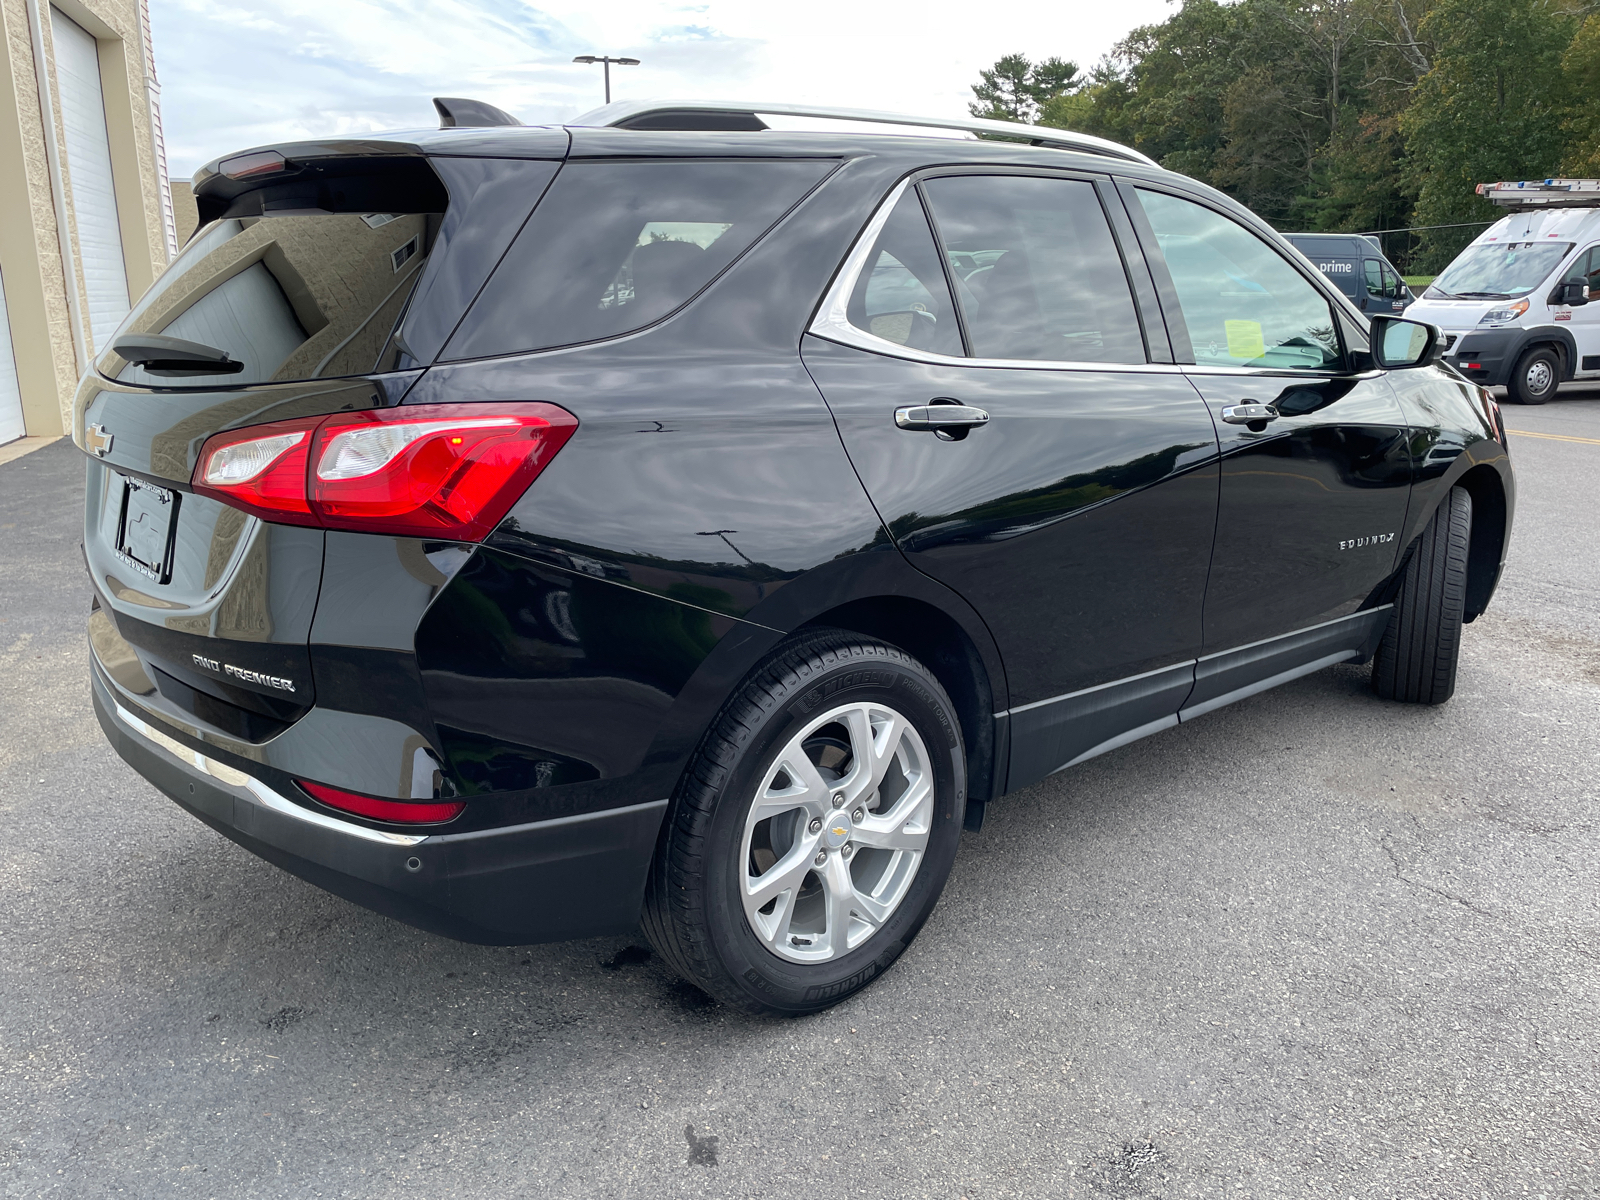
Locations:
column 1356, row 266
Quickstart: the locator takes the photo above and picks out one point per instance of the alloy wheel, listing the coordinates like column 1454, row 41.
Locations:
column 836, row 832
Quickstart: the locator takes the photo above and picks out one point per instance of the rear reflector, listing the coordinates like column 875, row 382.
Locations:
column 400, row 812
column 429, row 470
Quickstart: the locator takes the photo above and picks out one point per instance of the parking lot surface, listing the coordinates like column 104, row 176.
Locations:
column 1311, row 945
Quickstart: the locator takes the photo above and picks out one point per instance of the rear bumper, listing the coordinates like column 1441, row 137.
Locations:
column 548, row 881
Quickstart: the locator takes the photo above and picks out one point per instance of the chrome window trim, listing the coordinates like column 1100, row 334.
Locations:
column 264, row 795
column 1275, row 372
column 832, row 321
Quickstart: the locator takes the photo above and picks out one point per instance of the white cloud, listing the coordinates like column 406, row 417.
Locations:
column 254, row 71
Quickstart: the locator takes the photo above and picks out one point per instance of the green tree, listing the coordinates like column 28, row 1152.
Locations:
column 1493, row 106
column 1340, row 115
column 1581, row 66
column 1015, row 89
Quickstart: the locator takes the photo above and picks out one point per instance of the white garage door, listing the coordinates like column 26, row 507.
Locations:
column 94, row 201
column 10, row 393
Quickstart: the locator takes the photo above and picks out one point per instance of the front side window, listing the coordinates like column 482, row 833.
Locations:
column 1039, row 273
column 1498, row 270
column 1382, row 283
column 901, row 295
column 1587, row 268
column 617, row 245
column 1243, row 304
column 1375, row 279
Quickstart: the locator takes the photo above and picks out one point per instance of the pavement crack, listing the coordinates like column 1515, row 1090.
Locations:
column 1399, row 873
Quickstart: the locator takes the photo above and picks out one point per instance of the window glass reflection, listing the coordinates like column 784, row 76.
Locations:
column 902, row 295
column 1243, row 304
column 1040, row 275
column 301, row 296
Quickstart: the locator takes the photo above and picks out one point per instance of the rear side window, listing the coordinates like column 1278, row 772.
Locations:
column 902, row 296
column 617, row 245
column 1039, row 273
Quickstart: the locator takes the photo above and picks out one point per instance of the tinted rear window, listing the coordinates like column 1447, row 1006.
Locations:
column 295, row 294
column 615, row 246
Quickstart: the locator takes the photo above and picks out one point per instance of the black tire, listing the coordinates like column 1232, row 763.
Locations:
column 693, row 914
column 1416, row 661
column 1536, row 377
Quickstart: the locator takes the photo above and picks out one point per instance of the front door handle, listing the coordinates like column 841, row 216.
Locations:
column 947, row 418
column 1250, row 413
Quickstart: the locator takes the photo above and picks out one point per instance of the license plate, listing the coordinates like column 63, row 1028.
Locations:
column 146, row 531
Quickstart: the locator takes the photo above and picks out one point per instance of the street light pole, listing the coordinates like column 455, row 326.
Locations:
column 601, row 58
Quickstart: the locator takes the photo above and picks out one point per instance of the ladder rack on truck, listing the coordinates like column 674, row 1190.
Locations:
column 1542, row 193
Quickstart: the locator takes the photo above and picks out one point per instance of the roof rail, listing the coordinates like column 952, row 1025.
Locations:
column 1542, row 193
column 738, row 115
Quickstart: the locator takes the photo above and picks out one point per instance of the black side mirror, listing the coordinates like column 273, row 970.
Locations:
column 1573, row 292
column 1398, row 343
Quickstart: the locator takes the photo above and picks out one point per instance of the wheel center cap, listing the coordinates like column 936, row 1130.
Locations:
column 837, row 831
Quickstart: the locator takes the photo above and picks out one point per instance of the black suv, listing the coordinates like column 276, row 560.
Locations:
column 533, row 532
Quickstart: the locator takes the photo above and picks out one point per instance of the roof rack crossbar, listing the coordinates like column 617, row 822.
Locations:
column 626, row 112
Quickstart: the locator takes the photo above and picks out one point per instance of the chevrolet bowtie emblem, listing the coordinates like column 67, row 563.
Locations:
column 839, row 831
column 98, row 441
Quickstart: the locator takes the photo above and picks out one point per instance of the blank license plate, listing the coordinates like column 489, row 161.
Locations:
column 145, row 533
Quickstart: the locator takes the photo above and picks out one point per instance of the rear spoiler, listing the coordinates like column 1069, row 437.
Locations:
column 334, row 176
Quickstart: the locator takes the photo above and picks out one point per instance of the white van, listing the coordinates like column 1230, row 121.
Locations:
column 1514, row 305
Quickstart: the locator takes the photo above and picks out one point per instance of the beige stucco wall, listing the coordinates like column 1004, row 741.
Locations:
column 184, row 210
column 48, row 332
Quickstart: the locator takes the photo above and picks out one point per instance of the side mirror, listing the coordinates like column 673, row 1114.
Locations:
column 1398, row 343
column 1573, row 292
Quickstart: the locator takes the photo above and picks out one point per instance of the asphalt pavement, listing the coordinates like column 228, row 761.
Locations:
column 1313, row 945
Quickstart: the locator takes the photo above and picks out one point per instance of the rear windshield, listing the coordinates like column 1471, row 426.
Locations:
column 1498, row 271
column 303, row 295
column 615, row 246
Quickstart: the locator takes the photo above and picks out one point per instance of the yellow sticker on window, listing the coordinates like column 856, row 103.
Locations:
column 1244, row 339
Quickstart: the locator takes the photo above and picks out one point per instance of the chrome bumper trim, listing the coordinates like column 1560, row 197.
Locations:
column 263, row 794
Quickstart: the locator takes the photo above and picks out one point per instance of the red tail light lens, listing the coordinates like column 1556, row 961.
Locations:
column 400, row 812
column 261, row 469
column 431, row 470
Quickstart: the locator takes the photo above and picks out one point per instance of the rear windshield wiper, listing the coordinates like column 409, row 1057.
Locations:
column 170, row 356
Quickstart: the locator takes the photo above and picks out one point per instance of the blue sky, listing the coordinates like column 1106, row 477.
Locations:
column 244, row 72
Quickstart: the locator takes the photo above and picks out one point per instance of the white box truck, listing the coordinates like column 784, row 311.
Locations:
column 1515, row 304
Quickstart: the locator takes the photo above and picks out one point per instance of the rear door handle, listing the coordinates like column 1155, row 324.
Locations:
column 948, row 417
column 1249, row 413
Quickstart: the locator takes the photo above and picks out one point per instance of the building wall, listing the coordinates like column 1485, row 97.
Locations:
column 46, row 300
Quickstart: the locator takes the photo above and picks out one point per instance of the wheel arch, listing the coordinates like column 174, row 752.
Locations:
column 940, row 643
column 1486, row 551
column 1551, row 336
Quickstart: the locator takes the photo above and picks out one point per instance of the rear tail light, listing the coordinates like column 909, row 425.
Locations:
column 431, row 470
column 400, row 812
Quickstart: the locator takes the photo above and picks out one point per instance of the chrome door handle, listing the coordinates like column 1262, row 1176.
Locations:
column 1249, row 413
column 940, row 417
